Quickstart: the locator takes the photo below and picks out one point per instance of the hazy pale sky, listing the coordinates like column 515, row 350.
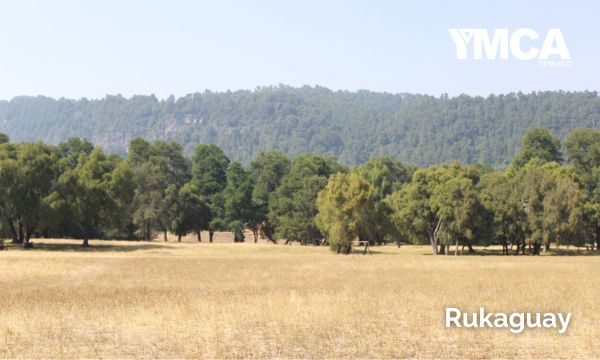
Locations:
column 89, row 49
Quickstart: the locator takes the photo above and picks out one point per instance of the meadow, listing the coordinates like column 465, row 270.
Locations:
column 224, row 300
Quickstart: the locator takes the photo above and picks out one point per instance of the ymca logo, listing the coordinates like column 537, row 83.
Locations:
column 523, row 44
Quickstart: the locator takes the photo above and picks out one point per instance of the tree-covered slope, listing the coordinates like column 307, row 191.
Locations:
column 352, row 126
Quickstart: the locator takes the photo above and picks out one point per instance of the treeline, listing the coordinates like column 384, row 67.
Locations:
column 349, row 126
column 76, row 190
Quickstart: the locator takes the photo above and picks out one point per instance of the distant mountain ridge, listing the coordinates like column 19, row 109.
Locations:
column 351, row 126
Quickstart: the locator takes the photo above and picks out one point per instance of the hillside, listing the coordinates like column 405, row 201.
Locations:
column 351, row 126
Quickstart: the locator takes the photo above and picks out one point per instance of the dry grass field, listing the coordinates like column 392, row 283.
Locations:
column 223, row 300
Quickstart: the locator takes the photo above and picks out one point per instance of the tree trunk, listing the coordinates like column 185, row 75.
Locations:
column 146, row 231
column 25, row 236
column 28, row 233
column 179, row 238
column 13, row 230
column 536, row 248
column 85, row 242
column 255, row 233
column 434, row 238
column 456, row 248
column 211, row 233
column 267, row 232
column 433, row 245
column 165, row 235
column 447, row 247
column 598, row 235
column 199, row 235
column 471, row 250
column 21, row 234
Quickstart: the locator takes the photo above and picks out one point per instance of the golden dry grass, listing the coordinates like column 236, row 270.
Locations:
column 190, row 300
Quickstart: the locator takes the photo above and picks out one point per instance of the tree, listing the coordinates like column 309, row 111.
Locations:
column 583, row 151
column 239, row 211
column 161, row 170
column 72, row 148
column 88, row 193
column 139, row 152
column 268, row 170
column 346, row 211
column 502, row 197
column 385, row 175
column 33, row 189
column 553, row 204
column 465, row 219
column 351, row 126
column 10, row 192
column 422, row 208
column 151, row 202
column 565, row 212
column 538, row 144
column 122, row 188
column 209, row 175
column 192, row 213
column 293, row 208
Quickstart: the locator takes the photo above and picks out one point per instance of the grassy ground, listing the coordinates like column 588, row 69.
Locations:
column 169, row 300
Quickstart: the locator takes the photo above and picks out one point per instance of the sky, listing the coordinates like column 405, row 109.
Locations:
column 77, row 49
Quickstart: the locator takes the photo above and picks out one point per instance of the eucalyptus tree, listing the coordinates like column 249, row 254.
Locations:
column 385, row 175
column 94, row 193
column 346, row 211
column 539, row 144
column 502, row 197
column 425, row 209
column 583, row 151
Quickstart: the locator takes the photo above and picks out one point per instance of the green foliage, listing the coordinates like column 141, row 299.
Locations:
column 209, row 169
column 88, row 193
column 238, row 207
column 73, row 148
column 583, row 149
column 350, row 126
column 75, row 190
column 553, row 203
column 293, row 206
column 191, row 212
column 502, row 197
column 267, row 170
column 161, row 170
column 541, row 145
column 209, row 176
column 346, row 211
column 439, row 201
column 386, row 176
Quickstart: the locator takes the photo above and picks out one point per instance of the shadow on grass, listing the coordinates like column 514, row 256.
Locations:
column 572, row 251
column 126, row 246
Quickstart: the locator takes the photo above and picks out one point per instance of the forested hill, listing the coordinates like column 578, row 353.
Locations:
column 352, row 126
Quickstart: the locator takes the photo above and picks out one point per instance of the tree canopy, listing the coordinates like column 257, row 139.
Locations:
column 77, row 190
column 350, row 126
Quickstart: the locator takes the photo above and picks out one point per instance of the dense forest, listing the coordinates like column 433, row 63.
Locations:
column 349, row 126
column 545, row 196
